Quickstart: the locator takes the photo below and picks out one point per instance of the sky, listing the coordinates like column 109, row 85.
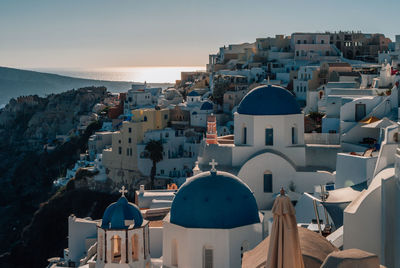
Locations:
column 126, row 33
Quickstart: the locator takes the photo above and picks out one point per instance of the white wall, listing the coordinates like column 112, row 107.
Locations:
column 126, row 247
column 226, row 244
column 333, row 105
column 330, row 124
column 252, row 173
column 388, row 149
column 282, row 135
column 348, row 110
column 353, row 169
column 363, row 217
column 362, row 227
column 283, row 173
column 312, row 101
column 78, row 231
column 156, row 241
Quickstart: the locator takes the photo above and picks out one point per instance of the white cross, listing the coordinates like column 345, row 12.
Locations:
column 123, row 191
column 213, row 164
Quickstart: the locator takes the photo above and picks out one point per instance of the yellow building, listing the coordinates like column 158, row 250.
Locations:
column 120, row 160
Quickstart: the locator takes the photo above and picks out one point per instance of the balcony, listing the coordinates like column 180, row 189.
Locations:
column 322, row 138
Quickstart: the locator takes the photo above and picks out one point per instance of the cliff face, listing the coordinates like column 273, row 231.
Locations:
column 46, row 235
column 26, row 170
column 34, row 119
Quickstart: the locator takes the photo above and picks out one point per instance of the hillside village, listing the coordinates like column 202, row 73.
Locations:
column 311, row 114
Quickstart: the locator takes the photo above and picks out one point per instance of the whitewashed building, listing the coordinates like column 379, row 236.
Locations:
column 180, row 152
column 268, row 149
column 214, row 218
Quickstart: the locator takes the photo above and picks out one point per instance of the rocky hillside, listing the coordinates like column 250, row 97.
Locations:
column 26, row 170
column 46, row 235
column 16, row 82
column 35, row 119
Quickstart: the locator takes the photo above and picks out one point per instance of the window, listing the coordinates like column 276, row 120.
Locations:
column 294, row 135
column 130, row 130
column 127, row 151
column 165, row 116
column 244, row 141
column 116, row 249
column 298, row 41
column 130, row 151
column 119, row 141
column 135, row 247
column 297, row 53
column 145, row 118
column 162, row 171
column 129, row 140
column 267, row 181
column 269, row 136
column 322, row 41
column 120, row 150
column 207, row 257
column 174, row 253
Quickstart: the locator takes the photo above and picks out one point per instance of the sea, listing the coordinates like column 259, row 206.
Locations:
column 151, row 74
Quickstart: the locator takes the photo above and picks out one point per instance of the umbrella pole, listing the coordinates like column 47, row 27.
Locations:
column 317, row 215
column 323, row 197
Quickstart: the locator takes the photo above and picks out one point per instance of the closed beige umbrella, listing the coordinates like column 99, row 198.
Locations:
column 284, row 244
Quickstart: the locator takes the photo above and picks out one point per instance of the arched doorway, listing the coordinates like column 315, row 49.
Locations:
column 116, row 249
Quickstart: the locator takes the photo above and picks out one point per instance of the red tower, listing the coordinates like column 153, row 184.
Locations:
column 211, row 137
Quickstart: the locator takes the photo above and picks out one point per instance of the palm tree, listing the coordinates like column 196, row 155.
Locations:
column 155, row 150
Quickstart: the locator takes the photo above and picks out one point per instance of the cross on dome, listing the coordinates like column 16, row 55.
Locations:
column 213, row 164
column 123, row 191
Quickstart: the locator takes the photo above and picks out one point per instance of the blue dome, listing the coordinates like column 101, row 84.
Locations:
column 117, row 213
column 193, row 94
column 269, row 100
column 206, row 106
column 216, row 200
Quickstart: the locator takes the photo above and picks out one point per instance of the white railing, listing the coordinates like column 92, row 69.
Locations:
column 322, row 138
column 91, row 252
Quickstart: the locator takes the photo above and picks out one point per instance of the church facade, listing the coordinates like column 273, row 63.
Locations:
column 214, row 219
column 268, row 150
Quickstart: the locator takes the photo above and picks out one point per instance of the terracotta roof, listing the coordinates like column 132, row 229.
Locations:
column 351, row 258
column 314, row 247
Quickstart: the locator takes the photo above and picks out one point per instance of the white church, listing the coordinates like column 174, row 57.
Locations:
column 267, row 150
column 213, row 220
